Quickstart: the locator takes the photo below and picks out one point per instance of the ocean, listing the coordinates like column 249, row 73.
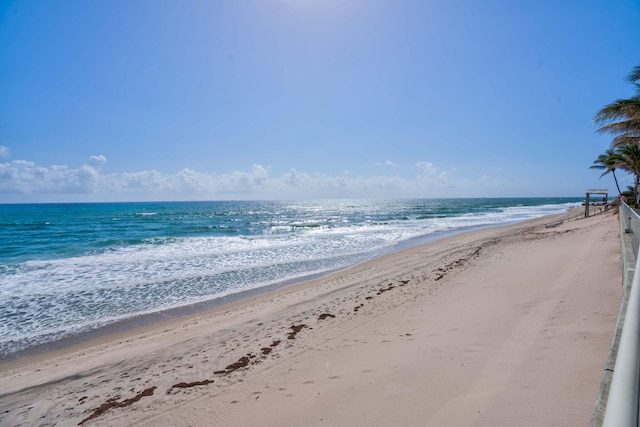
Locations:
column 70, row 269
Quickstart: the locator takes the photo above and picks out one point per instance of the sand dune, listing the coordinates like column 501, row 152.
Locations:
column 497, row 327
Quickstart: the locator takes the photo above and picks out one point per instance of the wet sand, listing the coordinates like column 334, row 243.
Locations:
column 503, row 326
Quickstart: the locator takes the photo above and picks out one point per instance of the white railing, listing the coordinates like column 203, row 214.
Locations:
column 631, row 221
column 622, row 401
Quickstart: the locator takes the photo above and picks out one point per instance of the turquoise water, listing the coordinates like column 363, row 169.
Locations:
column 70, row 268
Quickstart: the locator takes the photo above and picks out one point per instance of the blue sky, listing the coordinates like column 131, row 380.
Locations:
column 271, row 99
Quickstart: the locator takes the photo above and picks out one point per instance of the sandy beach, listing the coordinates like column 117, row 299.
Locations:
column 497, row 327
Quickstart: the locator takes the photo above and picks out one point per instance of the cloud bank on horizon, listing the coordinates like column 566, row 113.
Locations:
column 25, row 181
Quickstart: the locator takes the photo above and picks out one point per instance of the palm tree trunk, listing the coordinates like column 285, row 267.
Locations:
column 616, row 180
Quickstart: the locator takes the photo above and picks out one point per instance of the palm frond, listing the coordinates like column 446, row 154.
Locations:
column 630, row 159
column 626, row 139
column 607, row 161
column 620, row 109
column 630, row 127
column 634, row 76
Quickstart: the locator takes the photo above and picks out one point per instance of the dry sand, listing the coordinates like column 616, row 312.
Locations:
column 508, row 326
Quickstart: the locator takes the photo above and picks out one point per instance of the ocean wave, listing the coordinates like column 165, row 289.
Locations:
column 189, row 256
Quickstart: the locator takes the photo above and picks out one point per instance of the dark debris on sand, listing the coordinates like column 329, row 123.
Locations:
column 114, row 403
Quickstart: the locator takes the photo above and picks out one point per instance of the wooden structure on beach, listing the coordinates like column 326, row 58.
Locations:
column 587, row 201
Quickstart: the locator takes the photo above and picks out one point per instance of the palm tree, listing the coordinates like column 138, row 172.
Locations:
column 630, row 161
column 608, row 162
column 622, row 117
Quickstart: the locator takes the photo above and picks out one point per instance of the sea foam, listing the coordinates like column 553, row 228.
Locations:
column 87, row 266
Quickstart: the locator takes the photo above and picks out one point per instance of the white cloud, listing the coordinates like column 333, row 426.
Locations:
column 187, row 183
column 26, row 181
column 20, row 176
column 428, row 167
column 97, row 161
column 431, row 177
column 4, row 152
column 137, row 182
column 388, row 163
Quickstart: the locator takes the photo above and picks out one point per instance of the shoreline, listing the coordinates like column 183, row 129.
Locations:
column 386, row 313
column 137, row 321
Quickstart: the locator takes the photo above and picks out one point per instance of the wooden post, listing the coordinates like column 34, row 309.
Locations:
column 586, row 206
